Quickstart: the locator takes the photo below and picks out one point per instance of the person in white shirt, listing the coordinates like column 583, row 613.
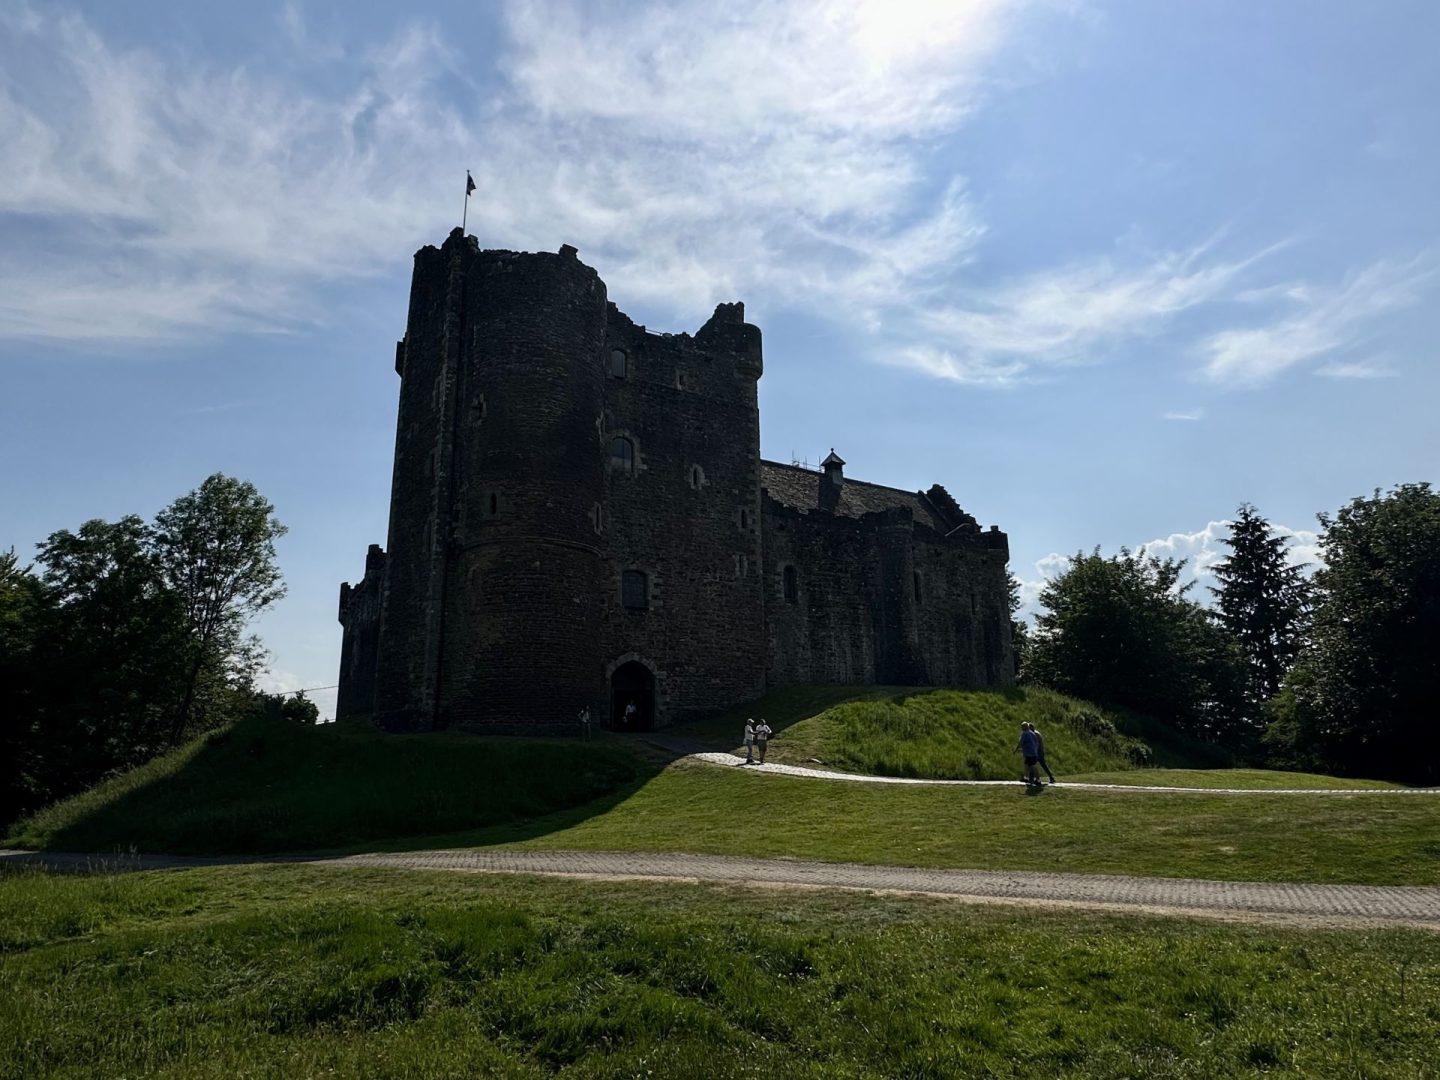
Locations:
column 762, row 738
column 749, row 742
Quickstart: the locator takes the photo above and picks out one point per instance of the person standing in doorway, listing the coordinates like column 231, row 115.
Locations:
column 762, row 738
column 1040, row 751
column 585, row 721
column 749, row 742
column 630, row 714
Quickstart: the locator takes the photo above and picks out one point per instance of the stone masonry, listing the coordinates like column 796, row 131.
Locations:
column 579, row 515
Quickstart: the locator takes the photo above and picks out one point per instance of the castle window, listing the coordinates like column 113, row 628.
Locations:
column 697, row 477
column 622, row 454
column 634, row 590
column 619, row 363
column 679, row 380
column 744, row 520
column 792, row 585
column 494, row 504
column 597, row 517
column 917, row 586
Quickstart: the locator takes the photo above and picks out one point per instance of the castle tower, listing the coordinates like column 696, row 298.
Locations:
column 498, row 473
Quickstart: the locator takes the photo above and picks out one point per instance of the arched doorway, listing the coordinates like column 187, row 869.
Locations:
column 632, row 682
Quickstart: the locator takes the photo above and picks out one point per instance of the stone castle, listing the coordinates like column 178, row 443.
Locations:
column 579, row 515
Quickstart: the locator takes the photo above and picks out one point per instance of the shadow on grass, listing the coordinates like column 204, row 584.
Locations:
column 267, row 787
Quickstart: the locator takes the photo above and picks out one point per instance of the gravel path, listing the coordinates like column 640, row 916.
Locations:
column 733, row 760
column 1337, row 905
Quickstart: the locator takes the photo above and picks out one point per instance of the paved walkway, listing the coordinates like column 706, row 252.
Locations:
column 1338, row 905
column 771, row 768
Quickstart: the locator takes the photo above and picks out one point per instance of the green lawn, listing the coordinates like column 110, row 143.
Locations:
column 1249, row 779
column 297, row 972
column 705, row 809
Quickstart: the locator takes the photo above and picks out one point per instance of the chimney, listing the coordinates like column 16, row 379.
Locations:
column 834, row 468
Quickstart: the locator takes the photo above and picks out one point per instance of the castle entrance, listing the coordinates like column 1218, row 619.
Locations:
column 632, row 682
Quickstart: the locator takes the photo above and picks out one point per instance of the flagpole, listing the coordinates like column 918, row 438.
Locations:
column 465, row 213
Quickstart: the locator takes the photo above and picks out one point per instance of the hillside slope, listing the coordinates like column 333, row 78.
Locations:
column 953, row 734
column 270, row 786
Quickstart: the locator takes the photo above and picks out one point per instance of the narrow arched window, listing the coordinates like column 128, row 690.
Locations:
column 745, row 520
column 697, row 477
column 634, row 590
column 917, row 586
column 622, row 454
column 619, row 363
column 792, row 585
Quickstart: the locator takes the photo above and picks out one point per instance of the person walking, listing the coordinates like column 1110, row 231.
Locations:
column 749, row 742
column 585, row 721
column 1029, row 748
column 1040, row 751
column 762, row 738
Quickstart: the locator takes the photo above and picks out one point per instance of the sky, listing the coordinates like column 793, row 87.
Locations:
column 1105, row 269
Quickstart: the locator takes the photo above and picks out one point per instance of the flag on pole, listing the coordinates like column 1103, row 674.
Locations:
column 469, row 183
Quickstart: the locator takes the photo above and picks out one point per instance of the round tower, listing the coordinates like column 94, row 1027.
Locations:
column 523, row 591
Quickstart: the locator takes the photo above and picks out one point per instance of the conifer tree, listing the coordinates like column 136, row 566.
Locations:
column 1262, row 601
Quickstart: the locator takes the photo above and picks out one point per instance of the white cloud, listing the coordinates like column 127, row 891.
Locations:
column 1356, row 369
column 1328, row 321
column 694, row 152
column 1187, row 414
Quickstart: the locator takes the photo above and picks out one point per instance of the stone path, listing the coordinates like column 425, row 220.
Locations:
column 732, row 760
column 1336, row 905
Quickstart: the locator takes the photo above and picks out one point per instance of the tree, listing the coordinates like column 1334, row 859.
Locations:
column 1262, row 601
column 1120, row 631
column 1019, row 631
column 20, row 601
column 1364, row 697
column 216, row 551
column 108, row 649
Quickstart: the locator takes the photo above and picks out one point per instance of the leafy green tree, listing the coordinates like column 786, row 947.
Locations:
column 20, row 605
column 216, row 551
column 1263, row 602
column 1120, row 631
column 1019, row 631
column 1364, row 697
column 106, row 657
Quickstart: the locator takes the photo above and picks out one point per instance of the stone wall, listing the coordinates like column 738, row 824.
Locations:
column 686, row 511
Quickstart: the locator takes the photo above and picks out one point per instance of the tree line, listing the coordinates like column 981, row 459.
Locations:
column 1338, row 671
column 126, row 638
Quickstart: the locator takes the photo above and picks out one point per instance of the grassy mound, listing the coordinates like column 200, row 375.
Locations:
column 269, row 786
column 293, row 971
column 952, row 734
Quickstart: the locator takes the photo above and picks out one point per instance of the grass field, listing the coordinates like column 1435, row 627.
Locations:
column 705, row 809
column 296, row 972
column 270, row 785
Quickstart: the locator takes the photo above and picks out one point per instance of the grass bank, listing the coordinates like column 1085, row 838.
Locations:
column 271, row 786
column 952, row 734
column 287, row 971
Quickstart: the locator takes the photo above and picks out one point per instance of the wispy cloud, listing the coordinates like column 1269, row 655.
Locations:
column 1356, row 369
column 1328, row 321
column 1067, row 315
column 1188, row 414
column 693, row 152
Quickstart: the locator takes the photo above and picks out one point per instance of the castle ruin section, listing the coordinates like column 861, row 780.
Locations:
column 867, row 584
column 579, row 516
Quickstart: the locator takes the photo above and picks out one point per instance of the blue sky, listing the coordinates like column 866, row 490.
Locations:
column 1103, row 269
